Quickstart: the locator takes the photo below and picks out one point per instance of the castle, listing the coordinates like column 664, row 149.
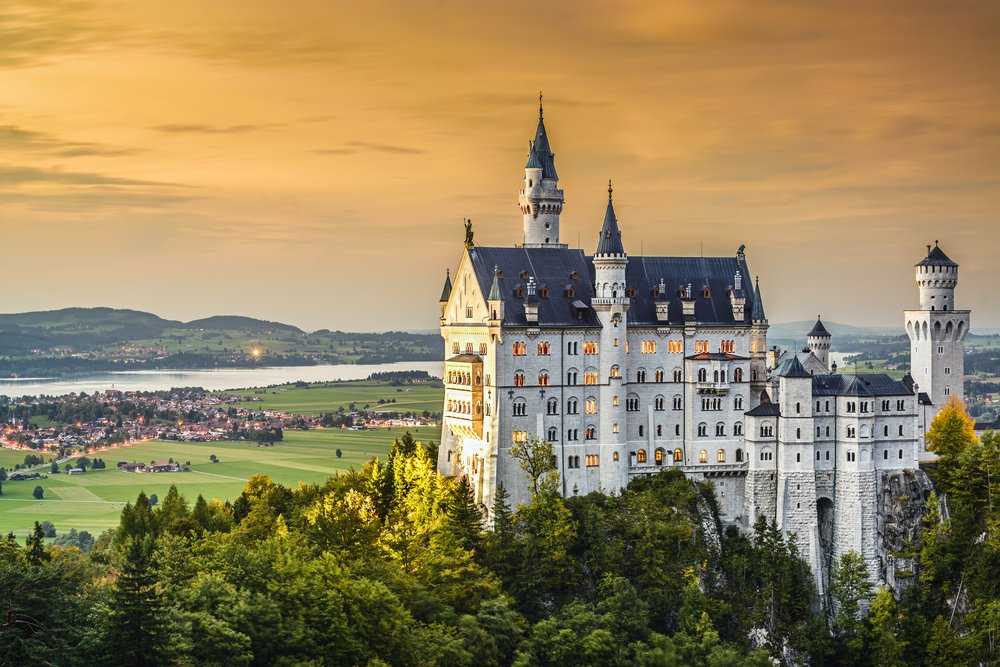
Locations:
column 628, row 364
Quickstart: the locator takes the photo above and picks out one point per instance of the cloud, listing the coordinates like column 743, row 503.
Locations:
column 357, row 146
column 33, row 31
column 199, row 128
column 14, row 138
column 20, row 175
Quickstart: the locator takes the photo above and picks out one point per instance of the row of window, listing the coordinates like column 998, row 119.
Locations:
column 631, row 405
column 592, row 377
column 456, row 348
column 767, row 431
column 591, row 347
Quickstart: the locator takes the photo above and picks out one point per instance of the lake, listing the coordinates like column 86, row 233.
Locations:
column 211, row 379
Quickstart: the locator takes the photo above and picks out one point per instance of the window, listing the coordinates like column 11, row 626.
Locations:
column 544, row 348
column 675, row 346
column 851, row 456
column 739, row 456
column 702, row 429
column 827, row 408
column 640, row 376
column 614, row 401
column 828, row 431
column 571, row 377
column 553, row 434
column 591, row 433
column 738, row 429
column 590, row 347
column 901, row 454
column 519, row 437
column 885, row 454
column 901, row 429
column 658, row 457
column 678, row 456
column 885, row 430
column 614, row 456
column 720, row 429
column 456, row 348
column 615, row 372
column 658, row 375
column 702, row 456
column 543, row 379
column 641, row 430
column 798, row 457
column 766, row 430
column 702, row 375
column 571, row 406
column 482, row 349
column 648, row 347
column 828, row 455
column 678, row 403
column 720, row 456
column 520, row 349
column 677, row 429
column 632, row 404
column 520, row 408
column 572, row 434
column 659, row 430
column 614, row 427
column 766, row 455
column 817, row 455
column 727, row 346
column 572, row 461
column 641, row 456
column 678, row 376
column 590, row 377
column 900, row 405
column 590, row 406
column 738, row 375
column 592, row 460
column 552, row 407
column 658, row 403
column 817, row 431
column 700, row 346
column 798, row 408
column 738, row 403
column 519, row 379
column 850, row 432
column 940, row 349
column 947, row 391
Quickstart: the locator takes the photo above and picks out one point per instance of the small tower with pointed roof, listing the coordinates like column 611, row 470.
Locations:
column 818, row 342
column 611, row 303
column 758, row 344
column 541, row 200
column 445, row 292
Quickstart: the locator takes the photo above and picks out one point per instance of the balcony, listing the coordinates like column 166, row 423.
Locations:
column 717, row 388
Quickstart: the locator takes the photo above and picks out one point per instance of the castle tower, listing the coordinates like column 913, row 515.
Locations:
column 611, row 305
column 818, row 342
column 758, row 345
column 796, row 503
column 937, row 331
column 541, row 200
column 445, row 293
column 760, row 488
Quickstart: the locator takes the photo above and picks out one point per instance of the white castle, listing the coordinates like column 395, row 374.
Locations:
column 628, row 364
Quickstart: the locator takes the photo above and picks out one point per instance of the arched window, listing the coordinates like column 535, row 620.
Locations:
column 738, row 403
column 553, row 434
column 702, row 429
column 659, row 375
column 571, row 406
column 678, row 456
column 520, row 407
column 702, row 456
column 678, row 376
column 738, row 375
column 552, row 407
column 738, row 429
column 591, row 433
column 640, row 457
column 720, row 429
column 519, row 379
column 658, row 456
column 702, row 375
column 658, row 403
column 678, row 403
column 543, row 348
column 590, row 406
column 715, row 375
column 798, row 434
column 640, row 376
column 543, row 379
column 739, row 456
column 615, row 372
column 721, row 456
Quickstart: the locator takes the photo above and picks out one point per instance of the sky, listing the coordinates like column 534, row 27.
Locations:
column 312, row 162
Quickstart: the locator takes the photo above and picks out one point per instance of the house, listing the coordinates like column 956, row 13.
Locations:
column 165, row 466
column 132, row 467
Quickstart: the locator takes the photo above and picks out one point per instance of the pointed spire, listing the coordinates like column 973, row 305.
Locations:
column 495, row 289
column 539, row 105
column 794, row 369
column 610, row 242
column 758, row 303
column 542, row 148
column 819, row 330
column 533, row 161
column 446, row 292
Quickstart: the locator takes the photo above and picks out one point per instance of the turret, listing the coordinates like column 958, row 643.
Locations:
column 818, row 342
column 611, row 304
column 541, row 200
column 495, row 299
column 758, row 343
column 446, row 292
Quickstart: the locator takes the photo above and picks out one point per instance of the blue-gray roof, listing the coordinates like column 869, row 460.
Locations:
column 873, row 384
column 758, row 303
column 545, row 154
column 446, row 291
column 552, row 268
column 936, row 257
column 819, row 330
column 610, row 240
column 794, row 369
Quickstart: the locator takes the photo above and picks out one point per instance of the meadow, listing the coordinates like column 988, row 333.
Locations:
column 93, row 501
column 315, row 399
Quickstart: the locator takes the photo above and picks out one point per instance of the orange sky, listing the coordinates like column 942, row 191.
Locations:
column 311, row 162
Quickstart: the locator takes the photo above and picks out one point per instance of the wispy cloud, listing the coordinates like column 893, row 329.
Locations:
column 359, row 146
column 201, row 128
column 14, row 139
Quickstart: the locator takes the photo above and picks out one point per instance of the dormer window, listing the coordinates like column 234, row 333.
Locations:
column 630, row 292
column 524, row 275
column 706, row 293
column 519, row 292
column 544, row 292
column 500, row 273
column 575, row 275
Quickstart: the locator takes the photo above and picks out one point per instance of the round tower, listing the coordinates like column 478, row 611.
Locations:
column 818, row 342
column 611, row 303
column 937, row 277
column 541, row 200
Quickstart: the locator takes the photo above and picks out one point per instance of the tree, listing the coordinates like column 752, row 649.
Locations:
column 35, row 552
column 339, row 453
column 538, row 461
column 3, row 474
column 38, row 493
column 153, row 499
column 136, row 621
column 849, row 588
column 48, row 528
column 950, row 433
column 54, row 468
column 886, row 645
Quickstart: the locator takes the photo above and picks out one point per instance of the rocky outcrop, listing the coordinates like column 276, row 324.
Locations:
column 902, row 504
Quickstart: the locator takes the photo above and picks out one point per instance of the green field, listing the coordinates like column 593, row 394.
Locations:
column 93, row 501
column 315, row 399
column 11, row 457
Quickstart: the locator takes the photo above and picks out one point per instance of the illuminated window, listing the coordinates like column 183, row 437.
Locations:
column 482, row 349
column 543, row 349
column 703, row 456
column 590, row 407
column 649, row 347
column 658, row 457
column 678, row 456
column 614, row 456
column 721, row 456
column 590, row 347
column 519, row 379
column 591, row 433
column 675, row 347
column 641, row 456
column 520, row 349
column 543, row 379
column 614, row 427
column 738, row 375
column 614, row 401
column 590, row 377
column 615, row 372
column 592, row 460
column 519, row 437
column 456, row 348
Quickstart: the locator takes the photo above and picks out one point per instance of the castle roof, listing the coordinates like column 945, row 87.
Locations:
column 553, row 268
column 794, row 369
column 610, row 240
column 545, row 156
column 818, row 330
column 758, row 303
column 446, row 292
column 936, row 257
column 868, row 384
column 765, row 409
column 716, row 356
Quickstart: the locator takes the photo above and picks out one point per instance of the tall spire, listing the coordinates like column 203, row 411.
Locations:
column 446, row 292
column 541, row 201
column 495, row 288
column 758, row 303
column 610, row 242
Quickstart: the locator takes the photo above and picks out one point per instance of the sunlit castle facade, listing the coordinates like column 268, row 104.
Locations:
column 628, row 364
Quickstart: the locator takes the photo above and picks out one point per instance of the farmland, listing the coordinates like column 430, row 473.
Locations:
column 93, row 501
column 315, row 399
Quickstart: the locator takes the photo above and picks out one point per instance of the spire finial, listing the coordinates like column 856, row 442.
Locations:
column 610, row 190
column 539, row 105
column 935, row 243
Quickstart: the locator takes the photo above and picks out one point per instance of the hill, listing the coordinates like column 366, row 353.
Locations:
column 240, row 323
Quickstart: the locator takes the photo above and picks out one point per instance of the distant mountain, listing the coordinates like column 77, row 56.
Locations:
column 799, row 330
column 240, row 323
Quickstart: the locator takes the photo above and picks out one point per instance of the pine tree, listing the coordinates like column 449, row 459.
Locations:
column 136, row 622
column 464, row 520
column 35, row 552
